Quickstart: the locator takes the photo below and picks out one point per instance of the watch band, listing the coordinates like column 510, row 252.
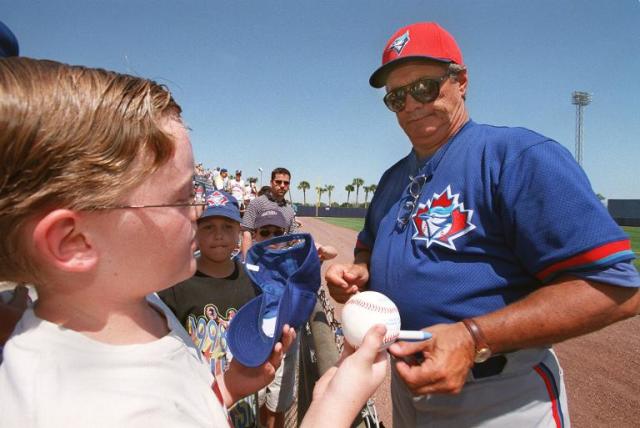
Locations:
column 483, row 352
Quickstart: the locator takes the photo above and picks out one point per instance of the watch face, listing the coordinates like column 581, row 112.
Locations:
column 482, row 355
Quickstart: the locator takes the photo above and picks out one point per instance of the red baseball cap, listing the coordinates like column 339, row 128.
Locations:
column 423, row 40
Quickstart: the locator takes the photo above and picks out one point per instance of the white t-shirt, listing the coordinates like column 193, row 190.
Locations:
column 55, row 377
column 236, row 188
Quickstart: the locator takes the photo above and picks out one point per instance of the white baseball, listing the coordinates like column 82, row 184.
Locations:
column 366, row 309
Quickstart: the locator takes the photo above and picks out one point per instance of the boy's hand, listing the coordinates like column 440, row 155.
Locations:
column 239, row 381
column 343, row 390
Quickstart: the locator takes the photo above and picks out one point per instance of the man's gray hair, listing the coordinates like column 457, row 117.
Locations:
column 455, row 68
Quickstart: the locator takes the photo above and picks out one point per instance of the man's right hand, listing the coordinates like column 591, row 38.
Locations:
column 345, row 280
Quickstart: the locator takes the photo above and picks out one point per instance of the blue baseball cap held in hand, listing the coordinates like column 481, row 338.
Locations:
column 286, row 270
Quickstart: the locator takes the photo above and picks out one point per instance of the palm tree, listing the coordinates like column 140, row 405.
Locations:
column 366, row 195
column 368, row 189
column 349, row 188
column 320, row 191
column 329, row 188
column 304, row 186
column 357, row 182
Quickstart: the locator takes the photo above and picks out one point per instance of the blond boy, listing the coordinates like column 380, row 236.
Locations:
column 83, row 154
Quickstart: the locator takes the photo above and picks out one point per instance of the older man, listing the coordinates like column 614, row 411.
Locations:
column 490, row 238
column 272, row 200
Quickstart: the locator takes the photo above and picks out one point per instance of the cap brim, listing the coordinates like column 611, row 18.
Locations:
column 247, row 341
column 235, row 216
column 379, row 77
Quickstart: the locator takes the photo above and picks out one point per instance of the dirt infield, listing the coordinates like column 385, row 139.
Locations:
column 602, row 369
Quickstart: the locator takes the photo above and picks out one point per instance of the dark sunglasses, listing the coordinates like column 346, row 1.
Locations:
column 423, row 90
column 281, row 182
column 265, row 233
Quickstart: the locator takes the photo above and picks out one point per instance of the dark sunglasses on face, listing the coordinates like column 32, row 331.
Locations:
column 281, row 182
column 423, row 90
column 265, row 233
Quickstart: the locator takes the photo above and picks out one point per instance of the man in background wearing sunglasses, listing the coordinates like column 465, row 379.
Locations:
column 492, row 240
column 273, row 200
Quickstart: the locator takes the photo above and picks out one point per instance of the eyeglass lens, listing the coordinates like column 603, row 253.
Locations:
column 281, row 182
column 423, row 90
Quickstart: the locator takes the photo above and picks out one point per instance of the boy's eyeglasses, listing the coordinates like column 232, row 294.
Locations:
column 265, row 233
column 423, row 90
column 281, row 182
column 197, row 204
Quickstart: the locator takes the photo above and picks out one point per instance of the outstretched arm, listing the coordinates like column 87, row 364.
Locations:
column 343, row 390
column 564, row 309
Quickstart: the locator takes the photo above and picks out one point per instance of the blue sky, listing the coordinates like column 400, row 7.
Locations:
column 285, row 83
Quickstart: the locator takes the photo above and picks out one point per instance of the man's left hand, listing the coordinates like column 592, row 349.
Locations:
column 438, row 365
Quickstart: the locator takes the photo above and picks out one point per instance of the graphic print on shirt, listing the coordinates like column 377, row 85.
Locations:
column 209, row 333
column 442, row 220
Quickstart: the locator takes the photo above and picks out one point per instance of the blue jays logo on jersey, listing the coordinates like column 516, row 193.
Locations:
column 217, row 199
column 399, row 43
column 442, row 220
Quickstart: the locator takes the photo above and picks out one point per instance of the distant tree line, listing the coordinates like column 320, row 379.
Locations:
column 355, row 186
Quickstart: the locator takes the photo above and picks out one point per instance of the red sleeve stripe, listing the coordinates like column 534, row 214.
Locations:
column 618, row 250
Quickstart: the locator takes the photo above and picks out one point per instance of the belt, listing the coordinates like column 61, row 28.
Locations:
column 493, row 366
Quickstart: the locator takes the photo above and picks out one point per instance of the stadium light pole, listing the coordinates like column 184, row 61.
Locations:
column 580, row 100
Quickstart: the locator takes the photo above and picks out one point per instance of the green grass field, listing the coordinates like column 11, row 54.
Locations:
column 634, row 234
column 350, row 223
column 357, row 223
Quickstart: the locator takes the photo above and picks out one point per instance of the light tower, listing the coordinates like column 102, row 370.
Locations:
column 580, row 99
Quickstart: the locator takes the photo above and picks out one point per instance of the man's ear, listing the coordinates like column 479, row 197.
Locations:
column 461, row 77
column 62, row 243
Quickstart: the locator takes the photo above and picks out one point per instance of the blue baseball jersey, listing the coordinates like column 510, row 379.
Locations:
column 493, row 215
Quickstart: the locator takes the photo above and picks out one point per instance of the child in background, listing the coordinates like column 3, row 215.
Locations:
column 206, row 302
column 271, row 223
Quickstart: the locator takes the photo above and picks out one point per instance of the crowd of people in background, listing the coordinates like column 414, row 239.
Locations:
column 207, row 180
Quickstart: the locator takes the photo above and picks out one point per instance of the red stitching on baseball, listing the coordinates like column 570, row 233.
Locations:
column 373, row 307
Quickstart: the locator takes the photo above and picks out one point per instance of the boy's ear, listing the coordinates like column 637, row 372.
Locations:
column 62, row 243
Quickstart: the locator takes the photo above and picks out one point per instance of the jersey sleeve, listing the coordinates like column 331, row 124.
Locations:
column 552, row 218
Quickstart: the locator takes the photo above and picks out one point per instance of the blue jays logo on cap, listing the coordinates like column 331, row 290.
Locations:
column 399, row 43
column 217, row 199
column 442, row 220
